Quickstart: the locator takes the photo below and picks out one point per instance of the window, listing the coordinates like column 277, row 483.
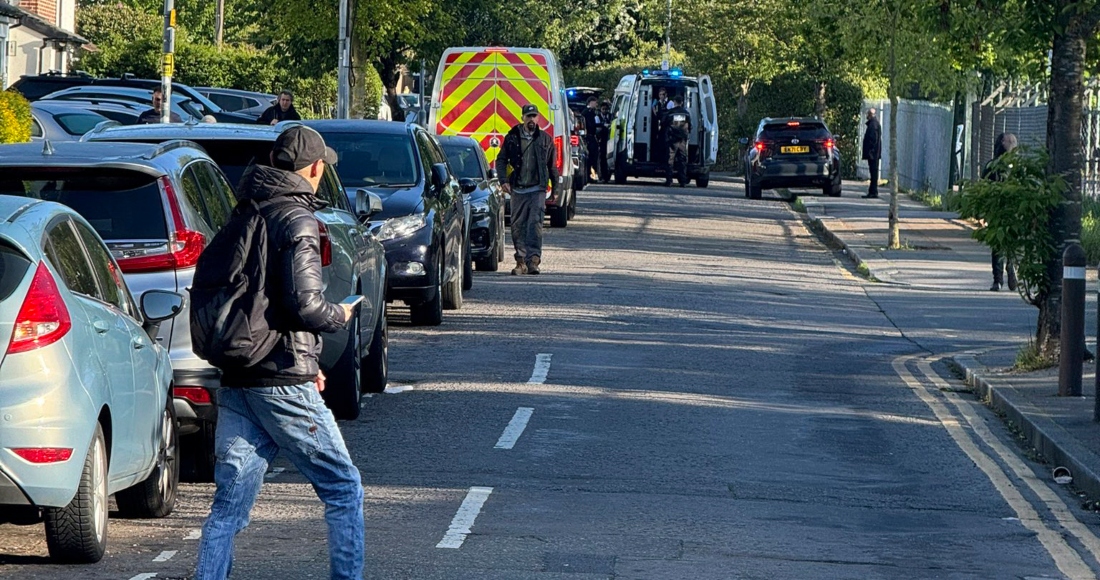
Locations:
column 68, row 258
column 36, row 128
column 110, row 280
column 214, row 194
column 192, row 190
column 331, row 191
column 426, row 154
column 13, row 267
column 78, row 123
column 464, row 161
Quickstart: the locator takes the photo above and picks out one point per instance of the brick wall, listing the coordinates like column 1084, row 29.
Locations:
column 47, row 9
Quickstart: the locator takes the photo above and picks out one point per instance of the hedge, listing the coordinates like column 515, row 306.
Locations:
column 15, row 118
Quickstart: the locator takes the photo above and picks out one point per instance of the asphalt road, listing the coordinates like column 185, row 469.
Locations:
column 696, row 389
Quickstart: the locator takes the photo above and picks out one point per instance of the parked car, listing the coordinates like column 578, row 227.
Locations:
column 792, row 152
column 480, row 184
column 475, row 95
column 421, row 222
column 84, row 385
column 241, row 102
column 181, row 105
column 58, row 121
column 635, row 148
column 577, row 138
column 34, row 87
column 120, row 111
column 355, row 359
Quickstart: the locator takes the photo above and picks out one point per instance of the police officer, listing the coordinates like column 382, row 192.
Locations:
column 592, row 124
column 660, row 109
column 677, row 128
column 602, row 137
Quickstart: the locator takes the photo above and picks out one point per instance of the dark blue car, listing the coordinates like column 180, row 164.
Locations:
column 486, row 199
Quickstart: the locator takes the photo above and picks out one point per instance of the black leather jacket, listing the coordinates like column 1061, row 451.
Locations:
column 512, row 154
column 298, row 310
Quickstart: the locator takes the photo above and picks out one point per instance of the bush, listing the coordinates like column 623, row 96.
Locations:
column 1015, row 215
column 15, row 118
column 314, row 98
column 1090, row 229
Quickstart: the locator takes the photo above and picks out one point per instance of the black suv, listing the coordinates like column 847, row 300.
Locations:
column 792, row 152
column 34, row 87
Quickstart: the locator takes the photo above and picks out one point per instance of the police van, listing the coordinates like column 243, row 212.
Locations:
column 637, row 148
column 479, row 92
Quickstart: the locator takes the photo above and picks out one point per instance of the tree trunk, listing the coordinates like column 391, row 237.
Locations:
column 819, row 99
column 743, row 99
column 894, row 241
column 1066, row 148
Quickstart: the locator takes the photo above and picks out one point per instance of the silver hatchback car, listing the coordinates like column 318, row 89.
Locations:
column 85, row 389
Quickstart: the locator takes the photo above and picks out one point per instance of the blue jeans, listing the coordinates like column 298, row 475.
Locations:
column 253, row 425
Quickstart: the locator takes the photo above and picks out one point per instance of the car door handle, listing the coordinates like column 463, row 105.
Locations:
column 138, row 343
column 101, row 327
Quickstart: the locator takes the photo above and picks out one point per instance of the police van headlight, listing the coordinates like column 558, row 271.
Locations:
column 401, row 227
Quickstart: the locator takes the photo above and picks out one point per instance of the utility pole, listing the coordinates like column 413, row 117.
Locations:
column 168, row 61
column 668, row 39
column 343, row 88
column 219, row 23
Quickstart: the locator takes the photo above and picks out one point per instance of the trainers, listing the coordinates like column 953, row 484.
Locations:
column 520, row 268
column 533, row 266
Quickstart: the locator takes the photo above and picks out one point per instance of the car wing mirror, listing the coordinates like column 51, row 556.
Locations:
column 468, row 185
column 440, row 177
column 493, row 173
column 158, row 306
column 367, row 204
column 744, row 141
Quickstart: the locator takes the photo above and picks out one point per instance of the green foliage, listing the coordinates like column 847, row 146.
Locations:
column 314, row 98
column 1029, row 359
column 1090, row 229
column 114, row 24
column 15, row 118
column 1014, row 213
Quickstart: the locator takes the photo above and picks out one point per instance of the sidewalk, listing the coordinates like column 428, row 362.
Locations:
column 939, row 255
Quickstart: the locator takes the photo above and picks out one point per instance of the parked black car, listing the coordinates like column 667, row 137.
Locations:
column 480, row 183
column 422, row 219
column 34, row 87
column 791, row 152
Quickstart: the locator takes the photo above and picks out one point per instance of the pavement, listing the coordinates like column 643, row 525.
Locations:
column 939, row 255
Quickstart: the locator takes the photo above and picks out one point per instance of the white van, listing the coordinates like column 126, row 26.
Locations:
column 635, row 149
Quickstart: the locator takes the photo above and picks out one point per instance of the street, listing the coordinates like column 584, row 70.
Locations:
column 694, row 387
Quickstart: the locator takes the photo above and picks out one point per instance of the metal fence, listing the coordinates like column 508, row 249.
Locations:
column 1029, row 124
column 925, row 144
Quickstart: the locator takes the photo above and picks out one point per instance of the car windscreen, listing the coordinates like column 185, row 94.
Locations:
column 374, row 159
column 119, row 204
column 13, row 267
column 464, row 162
column 803, row 131
column 78, row 123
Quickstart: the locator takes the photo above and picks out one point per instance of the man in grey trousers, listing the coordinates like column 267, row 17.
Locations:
column 529, row 152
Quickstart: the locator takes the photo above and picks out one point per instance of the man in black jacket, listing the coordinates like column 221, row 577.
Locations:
column 282, row 110
column 677, row 129
column 153, row 115
column 529, row 151
column 275, row 405
column 872, row 151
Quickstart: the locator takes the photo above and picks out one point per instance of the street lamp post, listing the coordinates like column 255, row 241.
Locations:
column 343, row 88
column 168, row 61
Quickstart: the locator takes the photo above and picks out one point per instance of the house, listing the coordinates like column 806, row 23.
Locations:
column 36, row 36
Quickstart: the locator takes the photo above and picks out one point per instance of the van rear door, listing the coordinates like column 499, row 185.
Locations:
column 710, row 120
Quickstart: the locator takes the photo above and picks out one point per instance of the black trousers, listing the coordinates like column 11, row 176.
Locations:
column 601, row 160
column 872, row 165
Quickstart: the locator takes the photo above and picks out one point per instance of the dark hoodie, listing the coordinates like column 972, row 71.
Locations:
column 276, row 113
column 1004, row 143
column 298, row 310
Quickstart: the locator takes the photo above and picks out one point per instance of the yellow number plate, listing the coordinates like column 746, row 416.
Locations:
column 795, row 149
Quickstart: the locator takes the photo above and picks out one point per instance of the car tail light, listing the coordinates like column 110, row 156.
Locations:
column 574, row 140
column 793, row 123
column 326, row 243
column 559, row 147
column 197, row 395
column 43, row 319
column 184, row 245
column 829, row 144
column 44, row 454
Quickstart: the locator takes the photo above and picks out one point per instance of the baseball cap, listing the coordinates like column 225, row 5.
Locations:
column 299, row 147
column 530, row 110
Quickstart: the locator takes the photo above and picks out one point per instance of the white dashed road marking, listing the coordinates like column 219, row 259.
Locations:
column 464, row 519
column 542, row 368
column 165, row 556
column 398, row 389
column 193, row 535
column 145, row 576
column 515, row 428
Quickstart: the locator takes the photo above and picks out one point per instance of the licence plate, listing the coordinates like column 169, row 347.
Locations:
column 795, row 149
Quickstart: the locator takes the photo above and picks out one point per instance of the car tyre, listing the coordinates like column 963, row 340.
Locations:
column 452, row 291
column 376, row 365
column 467, row 269
column 833, row 190
column 573, row 206
column 197, row 455
column 156, row 496
column 753, row 190
column 559, row 216
column 77, row 533
column 430, row 313
column 343, row 391
column 702, row 181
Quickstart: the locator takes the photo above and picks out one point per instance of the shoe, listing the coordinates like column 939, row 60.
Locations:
column 668, row 184
column 520, row 268
column 533, row 265
column 996, row 287
column 869, row 196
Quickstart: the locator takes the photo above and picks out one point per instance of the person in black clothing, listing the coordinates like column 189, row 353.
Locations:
column 1005, row 142
column 872, row 151
column 677, row 128
column 153, row 115
column 530, row 153
column 602, row 137
column 660, row 110
column 592, row 124
column 283, row 110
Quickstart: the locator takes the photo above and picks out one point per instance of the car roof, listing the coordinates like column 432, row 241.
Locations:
column 457, row 140
column 234, row 92
column 10, row 205
column 61, row 106
column 357, row 126
column 135, row 156
column 193, row 132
